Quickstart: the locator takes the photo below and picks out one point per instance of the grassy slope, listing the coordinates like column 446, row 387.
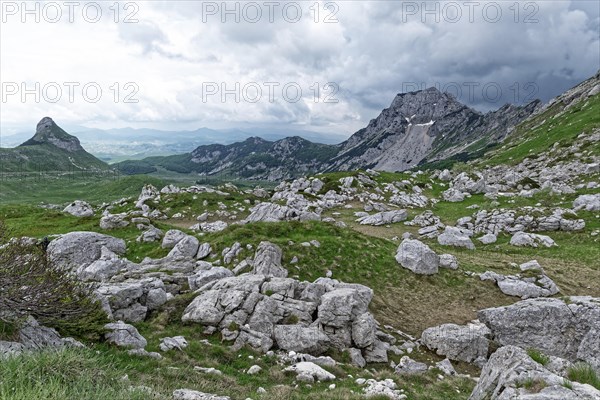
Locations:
column 61, row 188
column 552, row 126
column 46, row 157
column 98, row 374
column 532, row 137
column 402, row 299
column 361, row 254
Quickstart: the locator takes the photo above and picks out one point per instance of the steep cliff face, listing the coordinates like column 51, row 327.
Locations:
column 425, row 125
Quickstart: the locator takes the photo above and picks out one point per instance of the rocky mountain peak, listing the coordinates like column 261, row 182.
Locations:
column 48, row 132
column 425, row 105
column 45, row 125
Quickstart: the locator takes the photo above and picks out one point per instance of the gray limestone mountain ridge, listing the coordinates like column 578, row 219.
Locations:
column 419, row 127
column 423, row 125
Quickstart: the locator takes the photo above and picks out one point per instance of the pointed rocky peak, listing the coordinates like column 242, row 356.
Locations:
column 426, row 105
column 47, row 132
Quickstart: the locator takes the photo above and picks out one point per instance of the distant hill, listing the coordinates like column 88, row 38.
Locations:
column 50, row 149
column 254, row 158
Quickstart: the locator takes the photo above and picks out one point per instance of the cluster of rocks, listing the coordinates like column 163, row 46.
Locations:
column 32, row 336
column 524, row 239
column 564, row 331
column 128, row 291
column 262, row 309
column 463, row 185
column 430, row 225
column 561, row 328
column 306, row 198
column 385, row 388
column 532, row 282
column 511, row 373
column 383, row 218
column 266, row 311
column 127, row 336
column 530, row 219
column 555, row 171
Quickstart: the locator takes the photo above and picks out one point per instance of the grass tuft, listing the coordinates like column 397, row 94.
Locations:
column 584, row 373
column 538, row 356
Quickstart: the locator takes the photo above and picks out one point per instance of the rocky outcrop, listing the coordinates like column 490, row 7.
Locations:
column 261, row 311
column 510, row 374
column 529, row 219
column 553, row 326
column 79, row 208
column 384, row 218
column 468, row 343
column 417, row 257
column 80, row 249
column 124, row 335
column 272, row 212
column 522, row 239
column 531, row 283
column 457, row 237
column 267, row 261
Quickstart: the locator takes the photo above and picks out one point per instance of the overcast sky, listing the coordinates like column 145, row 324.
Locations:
column 174, row 59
